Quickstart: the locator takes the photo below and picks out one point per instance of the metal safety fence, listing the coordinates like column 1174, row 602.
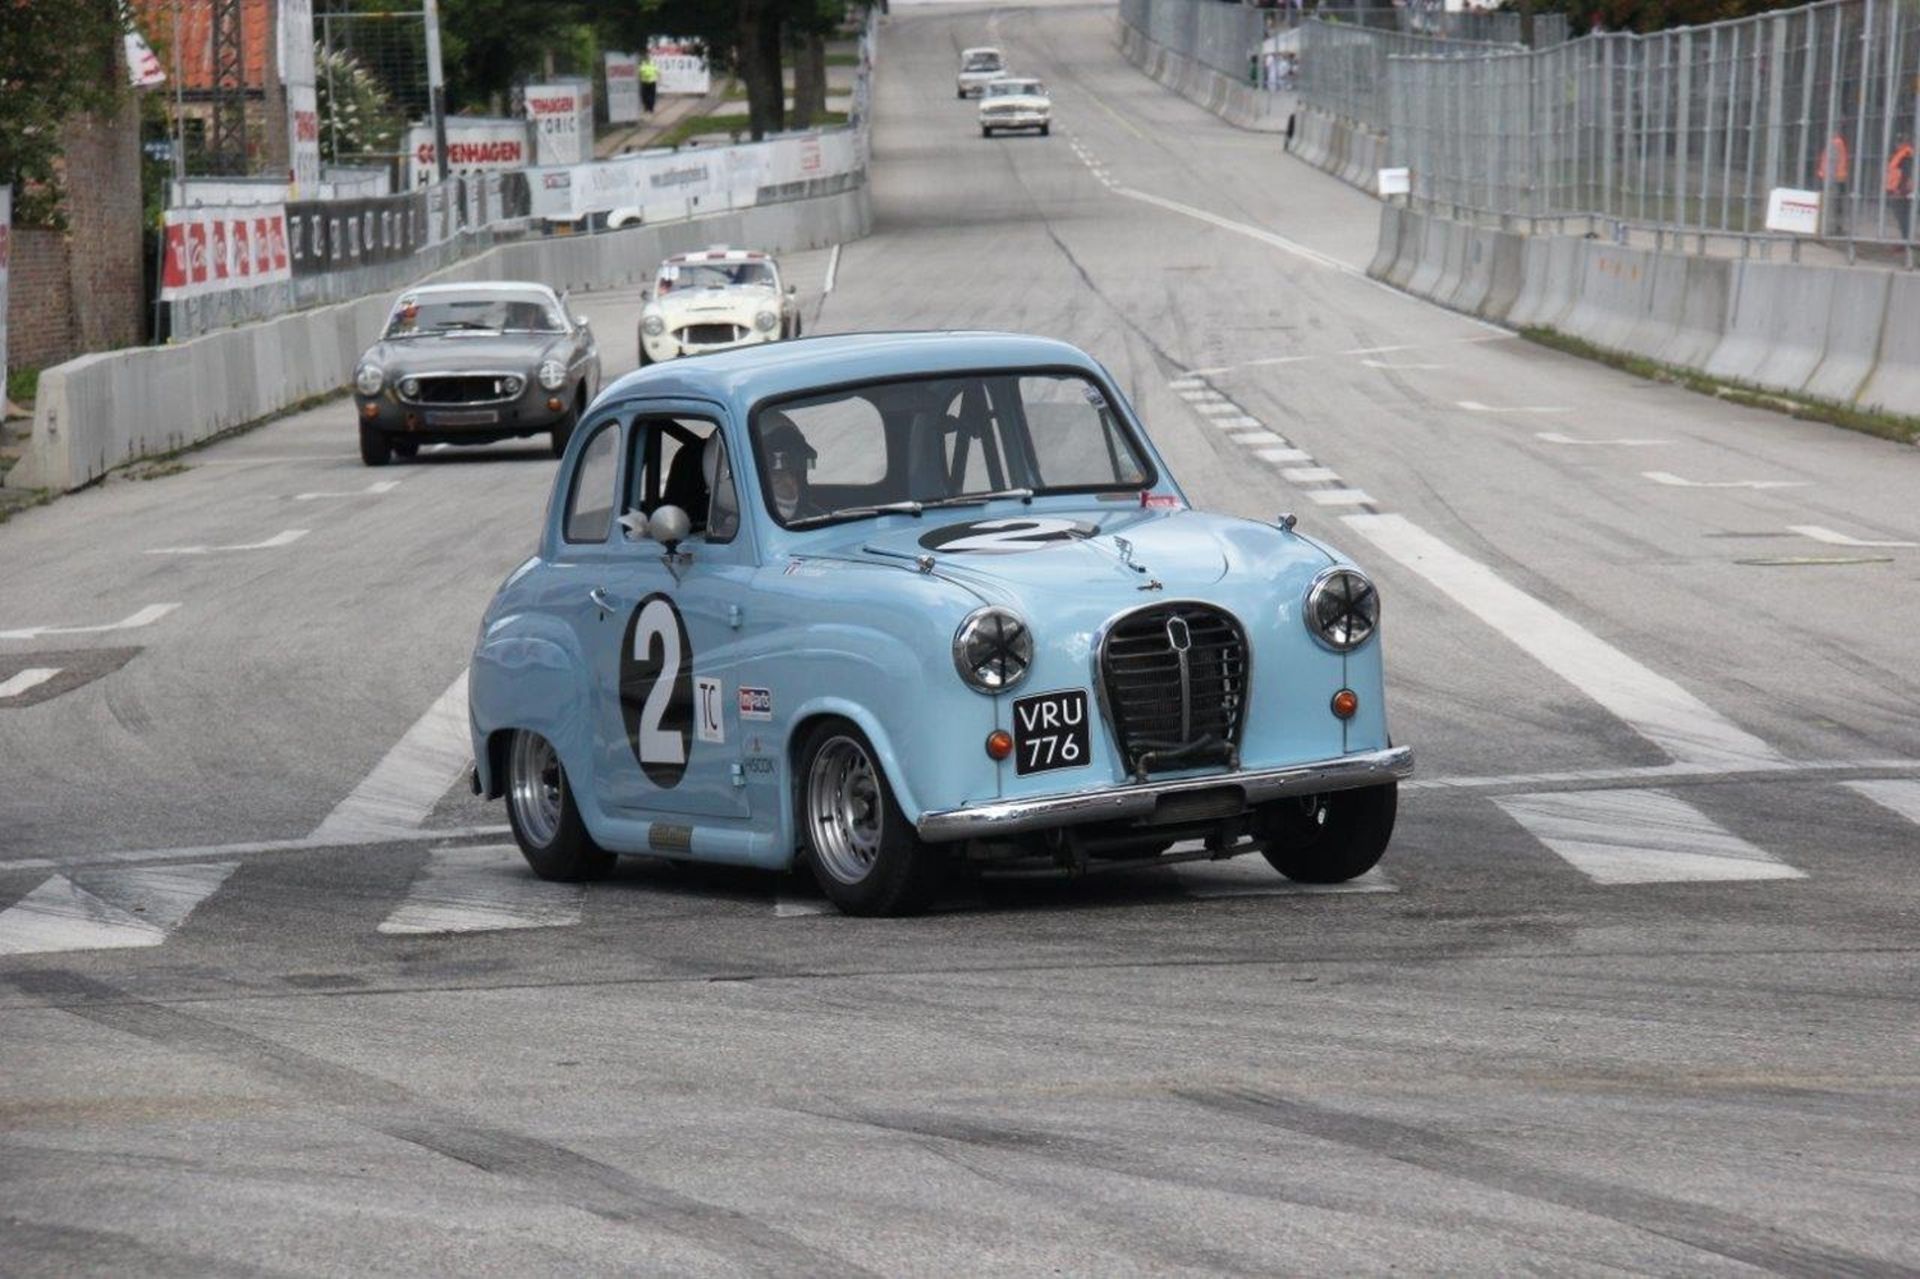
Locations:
column 1690, row 130
column 1343, row 66
column 1222, row 37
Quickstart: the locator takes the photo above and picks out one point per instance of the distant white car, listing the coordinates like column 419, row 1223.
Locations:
column 977, row 68
column 1015, row 102
column 714, row 299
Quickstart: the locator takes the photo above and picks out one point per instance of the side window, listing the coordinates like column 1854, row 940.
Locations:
column 590, row 506
column 681, row 461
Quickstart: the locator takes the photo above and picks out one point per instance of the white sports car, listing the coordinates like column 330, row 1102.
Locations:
column 1015, row 102
column 977, row 67
column 715, row 299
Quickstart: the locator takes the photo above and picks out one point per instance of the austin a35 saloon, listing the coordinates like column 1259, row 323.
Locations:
column 900, row 605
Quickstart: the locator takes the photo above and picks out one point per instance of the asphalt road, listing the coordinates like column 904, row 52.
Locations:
column 1635, row 988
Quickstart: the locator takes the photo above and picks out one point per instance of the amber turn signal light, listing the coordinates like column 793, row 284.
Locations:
column 999, row 744
column 553, row 404
column 369, row 411
column 1345, row 703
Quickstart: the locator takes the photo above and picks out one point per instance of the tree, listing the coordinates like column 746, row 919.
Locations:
column 56, row 60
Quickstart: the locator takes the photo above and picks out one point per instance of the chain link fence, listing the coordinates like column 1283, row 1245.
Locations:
column 371, row 78
column 1221, row 37
column 1686, row 130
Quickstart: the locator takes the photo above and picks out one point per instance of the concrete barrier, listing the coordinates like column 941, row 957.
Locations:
column 1233, row 100
column 1476, row 272
column 1552, row 272
column 1856, row 325
column 104, row 410
column 1777, row 334
column 1413, row 238
column 1895, row 383
column 1611, row 298
column 1387, row 247
column 1433, row 258
column 1506, row 275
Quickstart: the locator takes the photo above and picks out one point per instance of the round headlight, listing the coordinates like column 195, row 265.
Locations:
column 510, row 385
column 410, row 387
column 992, row 649
column 552, row 374
column 765, row 321
column 1343, row 608
column 368, row 379
column 653, row 326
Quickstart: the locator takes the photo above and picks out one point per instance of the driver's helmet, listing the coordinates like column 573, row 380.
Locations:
column 787, row 456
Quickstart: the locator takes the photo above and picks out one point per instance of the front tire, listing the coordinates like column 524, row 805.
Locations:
column 1045, row 129
column 545, row 819
column 375, row 448
column 563, row 430
column 407, row 449
column 864, row 852
column 985, row 132
column 1328, row 839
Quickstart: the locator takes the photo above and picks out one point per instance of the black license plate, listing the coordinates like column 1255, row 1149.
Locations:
column 1050, row 731
column 463, row 417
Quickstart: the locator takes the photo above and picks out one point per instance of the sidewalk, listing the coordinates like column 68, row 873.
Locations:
column 667, row 113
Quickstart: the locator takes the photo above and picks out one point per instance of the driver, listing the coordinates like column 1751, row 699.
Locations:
column 787, row 455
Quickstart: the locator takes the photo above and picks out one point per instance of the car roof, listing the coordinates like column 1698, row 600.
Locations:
column 482, row 286
column 984, row 48
column 743, row 376
column 718, row 255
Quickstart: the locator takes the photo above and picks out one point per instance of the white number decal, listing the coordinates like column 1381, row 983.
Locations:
column 657, row 621
column 1010, row 535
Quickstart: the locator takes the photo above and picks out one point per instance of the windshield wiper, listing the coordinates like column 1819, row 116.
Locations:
column 978, row 499
column 860, row 512
column 463, row 324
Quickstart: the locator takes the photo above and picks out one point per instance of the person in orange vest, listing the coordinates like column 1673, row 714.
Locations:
column 1832, row 172
column 1900, row 182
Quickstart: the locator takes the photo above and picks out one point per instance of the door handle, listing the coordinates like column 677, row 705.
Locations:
column 601, row 600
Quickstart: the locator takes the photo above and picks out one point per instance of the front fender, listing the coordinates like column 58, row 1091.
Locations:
column 527, row 672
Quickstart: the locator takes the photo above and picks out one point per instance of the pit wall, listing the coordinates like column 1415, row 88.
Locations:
column 1347, row 150
column 1238, row 103
column 101, row 411
column 1849, row 335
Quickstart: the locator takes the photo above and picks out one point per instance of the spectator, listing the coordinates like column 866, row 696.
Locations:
column 1833, row 171
column 649, row 81
column 1899, row 185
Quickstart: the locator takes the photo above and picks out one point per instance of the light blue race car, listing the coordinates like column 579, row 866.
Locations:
column 905, row 604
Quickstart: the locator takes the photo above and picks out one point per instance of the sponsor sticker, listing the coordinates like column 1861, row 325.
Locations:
column 709, row 722
column 755, row 703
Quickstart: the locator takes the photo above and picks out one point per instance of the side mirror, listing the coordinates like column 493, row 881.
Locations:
column 669, row 526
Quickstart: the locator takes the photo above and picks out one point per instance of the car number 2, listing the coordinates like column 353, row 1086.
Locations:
column 1050, row 731
column 656, row 690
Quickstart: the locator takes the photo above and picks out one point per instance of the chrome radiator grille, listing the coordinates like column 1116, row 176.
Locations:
column 1175, row 680
column 711, row 334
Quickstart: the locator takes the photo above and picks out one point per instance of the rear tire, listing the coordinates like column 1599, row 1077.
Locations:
column 985, row 132
column 1044, row 129
column 1331, row 838
column 375, row 448
column 865, row 854
column 545, row 819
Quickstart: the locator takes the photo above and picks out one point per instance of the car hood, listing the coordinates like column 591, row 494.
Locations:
column 1095, row 555
column 735, row 301
column 454, row 354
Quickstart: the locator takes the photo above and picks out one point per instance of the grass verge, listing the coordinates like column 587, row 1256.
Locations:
column 1890, row 426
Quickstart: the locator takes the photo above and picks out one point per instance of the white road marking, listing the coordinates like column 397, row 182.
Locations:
column 1380, row 350
column 833, row 270
column 1255, row 437
column 377, row 487
column 1475, row 406
column 797, row 907
column 138, row 856
column 145, row 617
column 285, row 538
column 1675, row 481
column 1555, row 437
column 1340, row 497
column 1832, row 538
column 1284, row 245
column 1652, row 705
column 1201, row 395
column 1284, row 455
column 1185, row 383
column 1259, row 364
column 1241, row 422
column 484, row 888
column 1382, row 364
column 1895, row 794
column 1214, row 408
column 1310, row 475
column 23, row 681
column 404, row 786
column 1640, row 837
column 107, row 909
column 1249, row 875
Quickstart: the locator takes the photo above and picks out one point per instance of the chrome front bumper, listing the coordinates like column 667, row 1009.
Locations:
column 1131, row 802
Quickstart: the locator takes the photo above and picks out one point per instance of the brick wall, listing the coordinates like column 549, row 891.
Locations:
column 39, row 300
column 82, row 290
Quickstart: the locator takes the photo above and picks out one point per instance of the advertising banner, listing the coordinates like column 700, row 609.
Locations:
column 562, row 116
column 211, row 250
column 143, row 69
column 303, row 107
column 689, row 181
column 682, row 64
column 474, row 145
column 623, row 88
column 6, row 256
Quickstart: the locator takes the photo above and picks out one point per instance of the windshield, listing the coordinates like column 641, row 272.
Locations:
column 1014, row 88
column 716, row 275
column 983, row 62
column 460, row 312
column 913, row 444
